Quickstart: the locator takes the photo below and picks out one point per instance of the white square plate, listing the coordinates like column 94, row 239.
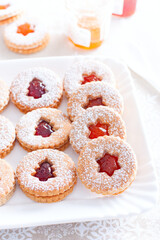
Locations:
column 81, row 204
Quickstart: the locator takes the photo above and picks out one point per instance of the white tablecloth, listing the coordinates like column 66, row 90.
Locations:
column 136, row 41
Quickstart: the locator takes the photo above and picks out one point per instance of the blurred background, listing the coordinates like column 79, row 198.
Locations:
column 132, row 39
column 136, row 41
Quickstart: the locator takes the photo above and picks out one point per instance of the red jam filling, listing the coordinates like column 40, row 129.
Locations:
column 108, row 164
column 25, row 29
column 36, row 88
column 44, row 171
column 90, row 78
column 44, row 129
column 98, row 130
column 2, row 7
column 94, row 102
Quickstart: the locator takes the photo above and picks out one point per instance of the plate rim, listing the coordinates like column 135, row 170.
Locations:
column 82, row 219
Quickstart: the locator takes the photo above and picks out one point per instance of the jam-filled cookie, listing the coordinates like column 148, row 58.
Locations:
column 7, row 136
column 4, row 95
column 9, row 11
column 43, row 128
column 46, row 175
column 93, row 123
column 107, row 165
column 84, row 72
column 36, row 88
column 26, row 36
column 7, row 182
column 94, row 94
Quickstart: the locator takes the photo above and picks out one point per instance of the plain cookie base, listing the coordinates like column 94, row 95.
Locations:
column 50, row 199
column 60, row 147
column 9, row 195
column 9, row 19
column 32, row 49
column 7, row 150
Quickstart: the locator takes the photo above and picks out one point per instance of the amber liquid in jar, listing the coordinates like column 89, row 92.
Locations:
column 90, row 23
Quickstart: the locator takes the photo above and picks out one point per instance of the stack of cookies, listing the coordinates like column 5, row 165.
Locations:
column 107, row 164
column 25, row 35
column 45, row 175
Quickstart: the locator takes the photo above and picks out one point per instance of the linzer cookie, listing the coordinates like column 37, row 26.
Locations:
column 7, row 182
column 107, row 165
column 43, row 128
column 93, row 123
column 36, row 88
column 9, row 11
column 4, row 95
column 94, row 94
column 7, row 136
column 46, row 175
column 85, row 72
column 26, row 36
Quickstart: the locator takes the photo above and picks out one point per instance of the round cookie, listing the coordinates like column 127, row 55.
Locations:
column 93, row 123
column 26, row 36
column 84, row 72
column 36, row 88
column 4, row 95
column 43, row 128
column 9, row 11
column 7, row 182
column 46, row 175
column 94, row 94
column 107, row 165
column 7, row 136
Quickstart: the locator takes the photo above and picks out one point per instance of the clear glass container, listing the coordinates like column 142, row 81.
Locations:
column 88, row 22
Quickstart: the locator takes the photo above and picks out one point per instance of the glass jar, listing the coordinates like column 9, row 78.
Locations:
column 125, row 8
column 88, row 22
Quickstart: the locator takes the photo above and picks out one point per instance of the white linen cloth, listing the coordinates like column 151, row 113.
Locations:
column 136, row 41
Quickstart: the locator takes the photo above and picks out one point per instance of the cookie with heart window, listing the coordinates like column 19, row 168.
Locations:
column 46, row 175
column 107, row 165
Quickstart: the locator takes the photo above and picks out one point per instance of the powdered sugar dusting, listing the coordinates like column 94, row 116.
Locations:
column 6, row 179
column 13, row 37
column 7, row 133
column 100, row 182
column 4, row 94
column 10, row 11
column 64, row 169
column 110, row 97
column 54, row 88
column 25, row 129
column 73, row 76
column 80, row 132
